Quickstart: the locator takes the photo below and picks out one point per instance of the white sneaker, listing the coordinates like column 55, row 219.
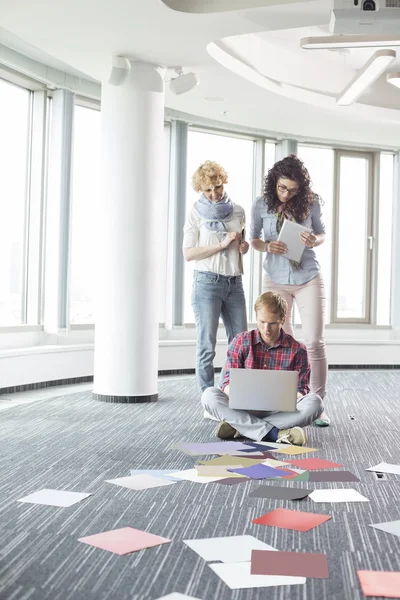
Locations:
column 207, row 415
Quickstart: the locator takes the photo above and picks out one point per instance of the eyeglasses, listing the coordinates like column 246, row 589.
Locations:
column 284, row 190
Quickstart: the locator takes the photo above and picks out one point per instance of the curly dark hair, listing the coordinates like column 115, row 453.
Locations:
column 292, row 168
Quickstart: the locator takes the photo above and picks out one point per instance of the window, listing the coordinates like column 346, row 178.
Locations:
column 354, row 177
column 236, row 155
column 163, row 241
column 320, row 165
column 15, row 107
column 85, row 192
column 385, row 239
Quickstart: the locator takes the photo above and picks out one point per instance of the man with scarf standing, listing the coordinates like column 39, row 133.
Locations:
column 213, row 238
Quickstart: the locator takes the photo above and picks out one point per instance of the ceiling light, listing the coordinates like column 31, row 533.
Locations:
column 349, row 41
column 183, row 83
column 370, row 72
column 393, row 78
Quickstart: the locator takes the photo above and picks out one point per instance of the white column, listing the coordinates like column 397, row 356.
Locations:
column 395, row 295
column 285, row 148
column 126, row 304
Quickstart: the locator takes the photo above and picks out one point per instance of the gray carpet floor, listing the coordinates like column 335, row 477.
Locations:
column 75, row 443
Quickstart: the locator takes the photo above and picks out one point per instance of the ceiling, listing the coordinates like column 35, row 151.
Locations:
column 81, row 37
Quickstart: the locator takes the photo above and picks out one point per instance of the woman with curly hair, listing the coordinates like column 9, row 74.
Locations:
column 214, row 238
column 287, row 194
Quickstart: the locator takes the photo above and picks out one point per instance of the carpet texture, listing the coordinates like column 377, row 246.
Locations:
column 75, row 443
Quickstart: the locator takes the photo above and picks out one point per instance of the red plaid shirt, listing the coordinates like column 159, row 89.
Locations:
column 248, row 351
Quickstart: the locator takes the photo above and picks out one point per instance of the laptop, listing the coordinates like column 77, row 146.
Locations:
column 263, row 390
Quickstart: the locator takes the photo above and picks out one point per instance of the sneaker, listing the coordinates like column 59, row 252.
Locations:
column 323, row 421
column 207, row 415
column 225, row 431
column 295, row 436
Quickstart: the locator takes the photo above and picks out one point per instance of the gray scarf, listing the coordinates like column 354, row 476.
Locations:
column 216, row 214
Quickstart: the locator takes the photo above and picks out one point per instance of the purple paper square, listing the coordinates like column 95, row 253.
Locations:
column 259, row 472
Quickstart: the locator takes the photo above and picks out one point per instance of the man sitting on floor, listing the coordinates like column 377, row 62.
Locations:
column 267, row 347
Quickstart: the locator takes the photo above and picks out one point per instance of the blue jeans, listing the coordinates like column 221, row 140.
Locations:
column 215, row 296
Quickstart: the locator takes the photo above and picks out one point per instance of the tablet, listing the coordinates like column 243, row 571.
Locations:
column 290, row 235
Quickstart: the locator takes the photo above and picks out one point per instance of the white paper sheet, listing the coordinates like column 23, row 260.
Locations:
column 191, row 475
column 385, row 468
column 140, row 482
column 392, row 527
column 340, row 495
column 231, row 549
column 238, row 576
column 54, row 498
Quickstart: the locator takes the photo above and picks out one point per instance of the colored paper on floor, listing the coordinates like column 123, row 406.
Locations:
column 279, row 493
column 293, row 450
column 59, row 498
column 294, row 564
column 228, row 460
column 123, row 541
column 261, row 447
column 217, row 471
column 140, row 482
column 255, row 454
column 385, row 468
column 191, row 475
column 232, row 480
column 159, row 473
column 312, row 464
column 231, row 549
column 272, row 462
column 385, row 584
column 258, row 472
column 392, row 527
column 291, row 519
column 238, row 576
column 332, row 476
column 211, row 448
column 340, row 495
column 177, row 596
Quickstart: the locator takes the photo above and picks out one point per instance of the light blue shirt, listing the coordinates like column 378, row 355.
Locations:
column 263, row 225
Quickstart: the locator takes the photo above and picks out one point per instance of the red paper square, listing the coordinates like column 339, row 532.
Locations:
column 291, row 519
column 124, row 541
column 380, row 583
column 312, row 464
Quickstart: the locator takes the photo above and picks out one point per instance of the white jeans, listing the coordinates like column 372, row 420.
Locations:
column 215, row 401
column 310, row 299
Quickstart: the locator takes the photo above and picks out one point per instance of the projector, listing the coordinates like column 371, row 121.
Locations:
column 377, row 17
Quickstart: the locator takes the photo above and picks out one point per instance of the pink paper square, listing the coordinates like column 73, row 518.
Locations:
column 123, row 541
column 312, row 464
column 380, row 583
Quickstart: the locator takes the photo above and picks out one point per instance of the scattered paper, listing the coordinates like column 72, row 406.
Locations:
column 311, row 464
column 262, row 447
column 124, row 541
column 231, row 549
column 380, row 583
column 293, row 450
column 345, row 495
column 217, row 471
column 332, row 476
column 232, row 480
column 228, row 460
column 294, row 564
column 291, row 519
column 191, row 475
column 392, row 527
column 238, row 576
column 140, row 482
column 385, row 468
column 54, row 498
column 159, row 473
column 279, row 493
column 271, row 462
column 258, row 472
